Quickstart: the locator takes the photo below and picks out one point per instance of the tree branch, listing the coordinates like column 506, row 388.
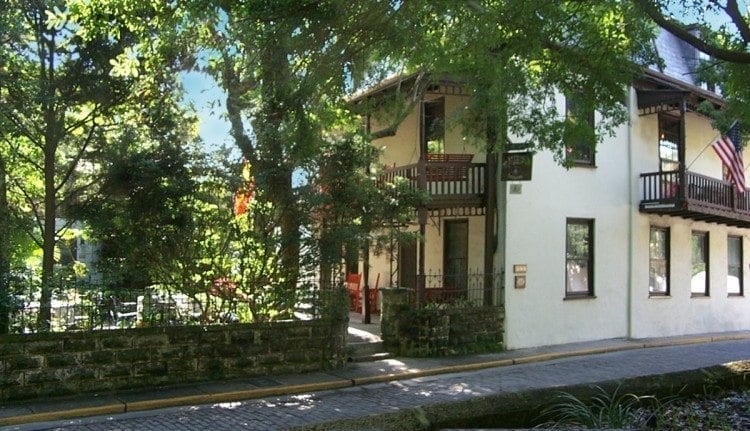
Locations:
column 733, row 11
column 34, row 207
column 74, row 163
column 729, row 55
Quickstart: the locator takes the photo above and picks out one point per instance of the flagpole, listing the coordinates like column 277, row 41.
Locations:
column 711, row 143
column 704, row 149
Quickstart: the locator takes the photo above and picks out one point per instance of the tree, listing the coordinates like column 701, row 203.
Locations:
column 354, row 210
column 720, row 30
column 285, row 66
column 5, row 244
column 69, row 79
column 140, row 214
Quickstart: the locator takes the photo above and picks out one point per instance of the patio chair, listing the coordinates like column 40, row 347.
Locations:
column 353, row 281
column 374, row 296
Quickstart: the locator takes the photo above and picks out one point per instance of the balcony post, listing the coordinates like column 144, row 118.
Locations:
column 422, row 215
column 490, row 198
column 681, row 180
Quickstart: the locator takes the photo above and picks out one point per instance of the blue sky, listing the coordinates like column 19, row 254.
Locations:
column 208, row 101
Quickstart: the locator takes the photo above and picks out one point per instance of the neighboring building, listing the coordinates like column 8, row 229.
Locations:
column 626, row 243
column 74, row 248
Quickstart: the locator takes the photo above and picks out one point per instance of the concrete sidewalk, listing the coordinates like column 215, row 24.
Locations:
column 353, row 375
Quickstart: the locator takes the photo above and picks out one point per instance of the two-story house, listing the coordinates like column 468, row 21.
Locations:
column 643, row 238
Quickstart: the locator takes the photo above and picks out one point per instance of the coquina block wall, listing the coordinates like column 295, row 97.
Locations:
column 35, row 365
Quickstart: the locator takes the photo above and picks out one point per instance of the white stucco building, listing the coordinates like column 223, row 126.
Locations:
column 644, row 238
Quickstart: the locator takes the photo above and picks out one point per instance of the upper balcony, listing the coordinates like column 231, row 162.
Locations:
column 449, row 180
column 694, row 196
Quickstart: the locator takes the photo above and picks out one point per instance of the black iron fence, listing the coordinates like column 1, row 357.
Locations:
column 473, row 287
column 82, row 304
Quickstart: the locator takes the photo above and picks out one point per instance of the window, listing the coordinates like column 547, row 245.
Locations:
column 433, row 126
column 579, row 258
column 669, row 141
column 734, row 266
column 580, row 139
column 699, row 275
column 658, row 267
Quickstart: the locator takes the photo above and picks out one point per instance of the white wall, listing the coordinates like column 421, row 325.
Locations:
column 679, row 313
column 535, row 236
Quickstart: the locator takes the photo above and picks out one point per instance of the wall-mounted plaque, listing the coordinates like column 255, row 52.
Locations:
column 520, row 269
column 519, row 282
column 516, row 167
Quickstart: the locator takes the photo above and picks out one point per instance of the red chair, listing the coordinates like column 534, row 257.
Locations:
column 352, row 286
column 374, row 296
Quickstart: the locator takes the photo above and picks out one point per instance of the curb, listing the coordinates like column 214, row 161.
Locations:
column 208, row 398
column 64, row 414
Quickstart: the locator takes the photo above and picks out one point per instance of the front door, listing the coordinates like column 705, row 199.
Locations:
column 456, row 254
column 407, row 264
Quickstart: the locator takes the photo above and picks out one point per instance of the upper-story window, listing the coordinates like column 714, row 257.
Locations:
column 669, row 142
column 580, row 145
column 433, row 126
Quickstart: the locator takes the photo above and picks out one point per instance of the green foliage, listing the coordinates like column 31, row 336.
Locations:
column 353, row 207
column 140, row 215
column 514, row 56
column 601, row 411
column 75, row 72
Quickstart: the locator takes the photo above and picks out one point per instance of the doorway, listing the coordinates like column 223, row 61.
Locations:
column 407, row 264
column 456, row 255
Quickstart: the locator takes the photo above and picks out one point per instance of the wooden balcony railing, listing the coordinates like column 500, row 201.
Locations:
column 447, row 183
column 701, row 197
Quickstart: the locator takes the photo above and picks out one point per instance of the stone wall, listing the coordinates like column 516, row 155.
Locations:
column 439, row 329
column 36, row 365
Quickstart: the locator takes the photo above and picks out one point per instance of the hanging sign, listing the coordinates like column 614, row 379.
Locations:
column 518, row 147
column 516, row 167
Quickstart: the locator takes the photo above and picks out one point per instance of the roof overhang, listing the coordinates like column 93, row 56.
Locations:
column 658, row 92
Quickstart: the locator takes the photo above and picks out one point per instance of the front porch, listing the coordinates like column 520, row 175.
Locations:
column 694, row 196
column 472, row 288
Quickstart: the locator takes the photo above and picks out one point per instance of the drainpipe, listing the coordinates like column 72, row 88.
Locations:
column 631, row 218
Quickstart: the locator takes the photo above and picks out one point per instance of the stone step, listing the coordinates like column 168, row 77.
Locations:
column 371, row 358
column 363, row 352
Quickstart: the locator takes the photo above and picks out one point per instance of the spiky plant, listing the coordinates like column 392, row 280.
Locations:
column 603, row 410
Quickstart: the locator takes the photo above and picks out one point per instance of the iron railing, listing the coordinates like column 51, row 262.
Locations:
column 470, row 286
column 78, row 305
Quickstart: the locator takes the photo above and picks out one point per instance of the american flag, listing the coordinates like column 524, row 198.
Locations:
column 729, row 149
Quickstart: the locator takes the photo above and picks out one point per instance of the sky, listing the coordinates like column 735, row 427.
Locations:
column 208, row 100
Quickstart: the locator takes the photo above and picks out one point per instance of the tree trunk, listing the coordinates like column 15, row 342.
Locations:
column 48, row 239
column 278, row 156
column 4, row 251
